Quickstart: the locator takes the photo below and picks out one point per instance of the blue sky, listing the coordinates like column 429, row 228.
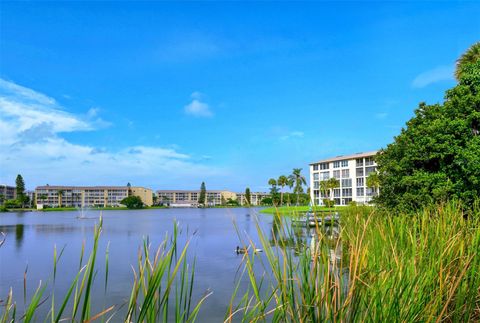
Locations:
column 166, row 95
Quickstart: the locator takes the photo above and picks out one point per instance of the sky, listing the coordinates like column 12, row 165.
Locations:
column 169, row 94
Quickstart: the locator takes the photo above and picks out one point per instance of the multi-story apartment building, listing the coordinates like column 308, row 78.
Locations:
column 89, row 196
column 185, row 198
column 351, row 171
column 8, row 192
column 255, row 198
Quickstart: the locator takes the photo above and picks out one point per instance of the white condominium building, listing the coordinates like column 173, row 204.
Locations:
column 186, row 198
column 351, row 171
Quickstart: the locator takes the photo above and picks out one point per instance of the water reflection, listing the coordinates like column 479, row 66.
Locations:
column 17, row 229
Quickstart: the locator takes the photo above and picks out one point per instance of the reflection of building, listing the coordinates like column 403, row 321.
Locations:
column 8, row 192
column 184, row 198
column 351, row 171
column 89, row 196
column 255, row 198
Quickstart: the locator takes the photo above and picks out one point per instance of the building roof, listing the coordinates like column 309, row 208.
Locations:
column 60, row 187
column 353, row 156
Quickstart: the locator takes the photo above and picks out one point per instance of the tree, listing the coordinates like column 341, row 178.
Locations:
column 20, row 189
column 203, row 194
column 60, row 195
column 327, row 187
column 471, row 56
column 437, row 156
column 299, row 180
column 2, row 198
column 273, row 190
column 248, row 196
column 282, row 181
column 132, row 202
column 373, row 182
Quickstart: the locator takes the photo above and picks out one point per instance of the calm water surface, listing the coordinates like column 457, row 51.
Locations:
column 31, row 237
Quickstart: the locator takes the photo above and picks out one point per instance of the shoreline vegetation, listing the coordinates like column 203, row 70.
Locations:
column 294, row 210
column 379, row 266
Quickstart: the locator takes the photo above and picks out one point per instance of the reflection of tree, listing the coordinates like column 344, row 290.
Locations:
column 285, row 238
column 19, row 230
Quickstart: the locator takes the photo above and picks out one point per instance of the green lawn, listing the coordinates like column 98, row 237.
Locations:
column 292, row 210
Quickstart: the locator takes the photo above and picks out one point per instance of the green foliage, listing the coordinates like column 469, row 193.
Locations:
column 10, row 204
column 298, row 181
column 20, row 189
column 248, row 196
column 471, row 56
column 437, row 156
column 266, row 201
column 328, row 203
column 203, row 194
column 132, row 202
column 231, row 202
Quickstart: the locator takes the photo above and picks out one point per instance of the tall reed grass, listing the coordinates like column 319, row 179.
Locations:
column 381, row 267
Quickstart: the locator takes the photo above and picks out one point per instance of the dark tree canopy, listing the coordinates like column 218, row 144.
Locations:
column 203, row 194
column 437, row 156
column 133, row 202
column 248, row 196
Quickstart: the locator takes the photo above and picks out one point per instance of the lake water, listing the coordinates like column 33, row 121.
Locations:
column 31, row 237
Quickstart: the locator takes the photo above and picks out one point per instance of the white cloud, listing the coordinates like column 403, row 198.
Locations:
column 31, row 128
column 292, row 134
column 197, row 108
column 438, row 74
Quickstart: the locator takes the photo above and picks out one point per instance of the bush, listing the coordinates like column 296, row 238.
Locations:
column 132, row 202
column 328, row 203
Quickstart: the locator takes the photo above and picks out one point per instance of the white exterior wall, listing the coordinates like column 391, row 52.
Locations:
column 356, row 164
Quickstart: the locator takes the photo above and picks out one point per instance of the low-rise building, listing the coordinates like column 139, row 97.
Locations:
column 89, row 196
column 7, row 192
column 189, row 198
column 351, row 171
column 255, row 198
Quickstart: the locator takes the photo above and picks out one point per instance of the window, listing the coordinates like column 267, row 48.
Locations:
column 336, row 174
column 345, row 173
column 370, row 191
column 360, row 181
column 324, row 166
column 346, row 192
column 369, row 170
column 324, row 176
column 347, row 182
column 369, row 161
column 336, row 192
column 344, row 163
column 336, row 164
column 359, row 162
column 315, row 167
column 316, row 185
column 316, row 193
column 360, row 191
column 360, row 172
column 315, row 176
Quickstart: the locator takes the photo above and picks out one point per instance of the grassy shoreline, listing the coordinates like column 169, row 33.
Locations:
column 295, row 210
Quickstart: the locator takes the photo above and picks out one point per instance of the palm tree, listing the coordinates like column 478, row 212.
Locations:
column 282, row 181
column 373, row 181
column 272, row 182
column 298, row 180
column 471, row 56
